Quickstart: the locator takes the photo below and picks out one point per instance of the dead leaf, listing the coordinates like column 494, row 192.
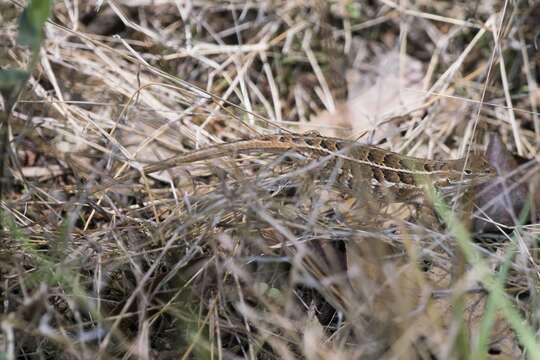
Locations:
column 504, row 198
column 377, row 91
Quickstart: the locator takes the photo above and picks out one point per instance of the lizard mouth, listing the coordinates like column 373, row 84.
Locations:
column 470, row 180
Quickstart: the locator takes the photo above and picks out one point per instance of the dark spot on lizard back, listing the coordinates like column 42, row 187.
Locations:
column 313, row 141
column 284, row 138
column 312, row 134
column 404, row 174
column 264, row 138
column 407, row 178
column 376, row 156
column 391, row 160
column 378, row 174
column 391, row 176
column 329, row 144
column 360, row 153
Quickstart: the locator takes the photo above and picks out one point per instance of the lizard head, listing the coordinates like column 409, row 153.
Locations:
column 476, row 170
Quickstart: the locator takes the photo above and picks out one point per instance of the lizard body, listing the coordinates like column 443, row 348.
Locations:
column 380, row 167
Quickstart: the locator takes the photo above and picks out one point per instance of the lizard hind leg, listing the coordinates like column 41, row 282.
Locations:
column 427, row 216
column 367, row 204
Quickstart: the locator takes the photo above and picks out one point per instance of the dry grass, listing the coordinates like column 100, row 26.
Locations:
column 261, row 257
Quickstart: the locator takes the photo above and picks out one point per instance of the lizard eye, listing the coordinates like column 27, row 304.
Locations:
column 468, row 172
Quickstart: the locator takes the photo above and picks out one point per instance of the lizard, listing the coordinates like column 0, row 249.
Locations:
column 369, row 164
column 366, row 164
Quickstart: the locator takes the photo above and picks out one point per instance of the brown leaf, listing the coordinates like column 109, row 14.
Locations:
column 503, row 199
column 374, row 98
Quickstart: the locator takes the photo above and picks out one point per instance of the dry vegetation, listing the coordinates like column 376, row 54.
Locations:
column 266, row 256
